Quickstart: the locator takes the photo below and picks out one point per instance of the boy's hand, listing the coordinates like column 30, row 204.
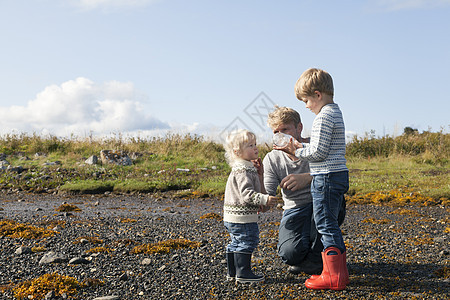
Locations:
column 290, row 148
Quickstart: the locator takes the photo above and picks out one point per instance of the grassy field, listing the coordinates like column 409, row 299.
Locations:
column 411, row 168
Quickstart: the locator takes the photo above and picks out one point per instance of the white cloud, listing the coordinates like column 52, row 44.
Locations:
column 80, row 107
column 107, row 4
column 393, row 5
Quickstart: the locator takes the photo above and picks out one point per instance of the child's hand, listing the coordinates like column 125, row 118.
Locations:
column 263, row 208
column 258, row 165
column 272, row 201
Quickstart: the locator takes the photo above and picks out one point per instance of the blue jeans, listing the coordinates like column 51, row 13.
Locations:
column 244, row 237
column 297, row 235
column 328, row 191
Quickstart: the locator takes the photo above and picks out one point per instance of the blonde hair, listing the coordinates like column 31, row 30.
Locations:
column 314, row 80
column 283, row 115
column 235, row 143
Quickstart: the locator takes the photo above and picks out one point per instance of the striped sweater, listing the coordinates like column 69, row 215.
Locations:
column 326, row 150
column 243, row 194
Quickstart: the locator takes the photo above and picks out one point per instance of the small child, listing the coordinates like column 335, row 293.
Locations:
column 326, row 156
column 244, row 198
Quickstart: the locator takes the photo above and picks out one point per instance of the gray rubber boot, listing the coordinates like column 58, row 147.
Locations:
column 231, row 269
column 244, row 273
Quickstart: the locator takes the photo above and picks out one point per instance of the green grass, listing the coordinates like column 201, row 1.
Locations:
column 415, row 162
column 389, row 173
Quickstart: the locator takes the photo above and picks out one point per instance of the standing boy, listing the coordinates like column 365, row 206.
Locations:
column 326, row 156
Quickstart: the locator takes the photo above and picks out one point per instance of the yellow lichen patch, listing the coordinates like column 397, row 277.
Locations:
column 52, row 223
column 211, row 216
column 421, row 240
column 99, row 250
column 6, row 287
column 443, row 272
column 67, row 208
column 127, row 220
column 199, row 194
column 165, row 246
column 377, row 241
column 375, row 221
column 92, row 282
column 447, row 230
column 348, row 245
column 405, row 212
column 396, row 197
column 38, row 249
column 13, row 229
column 90, row 239
column 37, row 288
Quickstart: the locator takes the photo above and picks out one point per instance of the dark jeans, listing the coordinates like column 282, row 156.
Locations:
column 328, row 191
column 297, row 235
column 298, row 238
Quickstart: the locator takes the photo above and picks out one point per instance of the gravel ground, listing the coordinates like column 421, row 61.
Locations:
column 393, row 253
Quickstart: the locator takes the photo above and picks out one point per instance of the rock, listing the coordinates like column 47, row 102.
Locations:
column 52, row 257
column 107, row 298
column 123, row 277
column 93, row 160
column 4, row 164
column 162, row 268
column 115, row 157
column 146, row 261
column 50, row 295
column 18, row 169
column 52, row 163
column 78, row 261
column 135, row 155
column 23, row 250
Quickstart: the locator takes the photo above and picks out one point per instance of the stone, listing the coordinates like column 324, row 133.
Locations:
column 92, row 160
column 50, row 295
column 146, row 261
column 107, row 298
column 23, row 250
column 4, row 164
column 52, row 257
column 123, row 277
column 78, row 261
column 18, row 169
column 115, row 157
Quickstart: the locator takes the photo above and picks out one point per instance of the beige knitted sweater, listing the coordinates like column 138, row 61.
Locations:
column 243, row 195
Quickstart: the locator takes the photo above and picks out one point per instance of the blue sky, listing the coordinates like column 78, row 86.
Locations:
column 150, row 66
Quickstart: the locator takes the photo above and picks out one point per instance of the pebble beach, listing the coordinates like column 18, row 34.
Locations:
column 392, row 252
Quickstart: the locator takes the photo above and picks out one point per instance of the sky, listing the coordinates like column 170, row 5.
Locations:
column 151, row 67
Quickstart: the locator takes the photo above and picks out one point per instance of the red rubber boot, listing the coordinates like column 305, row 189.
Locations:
column 344, row 261
column 333, row 275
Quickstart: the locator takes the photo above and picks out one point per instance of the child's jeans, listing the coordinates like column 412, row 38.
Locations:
column 244, row 237
column 327, row 191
